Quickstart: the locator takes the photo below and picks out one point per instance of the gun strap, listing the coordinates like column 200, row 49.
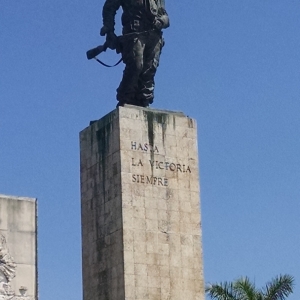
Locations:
column 105, row 65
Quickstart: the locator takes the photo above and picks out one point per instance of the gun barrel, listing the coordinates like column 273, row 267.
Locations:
column 95, row 51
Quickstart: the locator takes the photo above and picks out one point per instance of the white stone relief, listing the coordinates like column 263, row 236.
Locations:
column 7, row 273
column 7, row 270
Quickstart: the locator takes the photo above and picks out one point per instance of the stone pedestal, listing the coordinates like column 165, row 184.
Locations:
column 141, row 232
column 18, row 248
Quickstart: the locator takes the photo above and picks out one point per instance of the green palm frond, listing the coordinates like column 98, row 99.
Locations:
column 222, row 291
column 279, row 288
column 245, row 289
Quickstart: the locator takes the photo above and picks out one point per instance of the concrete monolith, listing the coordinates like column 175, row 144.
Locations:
column 140, row 193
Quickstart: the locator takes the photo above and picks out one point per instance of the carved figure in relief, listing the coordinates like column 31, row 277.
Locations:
column 7, row 269
column 7, row 273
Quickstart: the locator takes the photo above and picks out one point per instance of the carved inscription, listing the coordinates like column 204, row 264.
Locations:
column 161, row 165
column 155, row 165
column 170, row 166
column 150, row 179
column 144, row 147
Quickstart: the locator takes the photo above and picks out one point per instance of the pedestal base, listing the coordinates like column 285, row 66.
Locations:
column 141, row 233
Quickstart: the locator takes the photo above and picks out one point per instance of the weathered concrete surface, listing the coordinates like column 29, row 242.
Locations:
column 18, row 247
column 141, row 232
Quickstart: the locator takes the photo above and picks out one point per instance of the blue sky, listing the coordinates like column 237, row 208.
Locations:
column 231, row 65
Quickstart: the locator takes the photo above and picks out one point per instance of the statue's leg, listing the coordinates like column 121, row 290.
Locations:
column 146, row 82
column 132, row 53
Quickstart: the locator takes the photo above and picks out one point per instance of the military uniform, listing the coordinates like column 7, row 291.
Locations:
column 141, row 44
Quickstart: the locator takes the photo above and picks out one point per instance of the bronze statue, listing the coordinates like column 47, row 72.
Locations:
column 140, row 45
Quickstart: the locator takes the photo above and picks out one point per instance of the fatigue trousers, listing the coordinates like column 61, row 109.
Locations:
column 141, row 53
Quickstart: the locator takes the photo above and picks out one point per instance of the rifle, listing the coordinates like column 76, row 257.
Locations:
column 92, row 53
